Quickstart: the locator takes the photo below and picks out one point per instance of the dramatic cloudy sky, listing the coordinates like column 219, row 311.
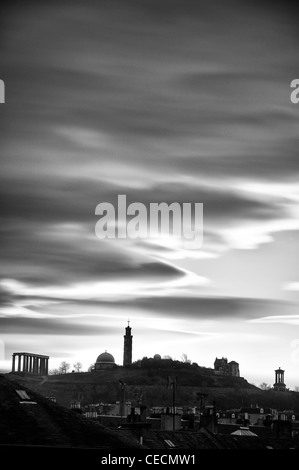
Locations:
column 163, row 101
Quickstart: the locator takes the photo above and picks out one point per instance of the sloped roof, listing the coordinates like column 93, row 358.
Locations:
column 205, row 439
column 44, row 423
column 243, row 432
column 261, row 431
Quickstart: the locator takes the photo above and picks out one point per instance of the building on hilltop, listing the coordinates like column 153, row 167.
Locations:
column 279, row 385
column 104, row 361
column 234, row 369
column 128, row 343
column 221, row 366
column 30, row 363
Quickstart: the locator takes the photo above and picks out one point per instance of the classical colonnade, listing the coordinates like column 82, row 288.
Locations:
column 31, row 363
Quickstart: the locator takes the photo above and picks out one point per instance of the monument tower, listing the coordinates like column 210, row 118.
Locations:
column 128, row 339
column 279, row 385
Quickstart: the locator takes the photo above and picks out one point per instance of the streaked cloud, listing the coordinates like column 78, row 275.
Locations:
column 285, row 319
column 163, row 101
column 291, row 286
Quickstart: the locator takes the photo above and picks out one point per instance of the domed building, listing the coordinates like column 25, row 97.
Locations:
column 105, row 361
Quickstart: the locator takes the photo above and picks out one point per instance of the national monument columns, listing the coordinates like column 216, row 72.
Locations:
column 30, row 363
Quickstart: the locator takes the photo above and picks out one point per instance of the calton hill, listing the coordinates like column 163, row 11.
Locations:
column 147, row 381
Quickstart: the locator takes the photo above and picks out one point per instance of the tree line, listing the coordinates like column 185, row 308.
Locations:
column 65, row 367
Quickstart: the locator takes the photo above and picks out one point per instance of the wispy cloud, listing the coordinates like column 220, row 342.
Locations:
column 163, row 101
column 291, row 286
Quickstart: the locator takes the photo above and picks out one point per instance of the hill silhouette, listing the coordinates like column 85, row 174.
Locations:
column 146, row 380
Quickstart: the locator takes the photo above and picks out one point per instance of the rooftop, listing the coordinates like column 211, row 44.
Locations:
column 27, row 418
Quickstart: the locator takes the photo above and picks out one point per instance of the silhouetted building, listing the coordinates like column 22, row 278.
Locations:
column 233, row 368
column 254, row 415
column 279, row 385
column 128, row 340
column 105, row 361
column 282, row 429
column 221, row 366
column 170, row 422
column 30, row 363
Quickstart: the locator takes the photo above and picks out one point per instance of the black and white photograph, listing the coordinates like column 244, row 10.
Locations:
column 149, row 235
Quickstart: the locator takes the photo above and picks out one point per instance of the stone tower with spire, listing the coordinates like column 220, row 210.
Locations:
column 128, row 340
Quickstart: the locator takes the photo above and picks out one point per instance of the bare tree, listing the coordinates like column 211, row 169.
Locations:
column 265, row 386
column 64, row 367
column 54, row 372
column 185, row 359
column 77, row 366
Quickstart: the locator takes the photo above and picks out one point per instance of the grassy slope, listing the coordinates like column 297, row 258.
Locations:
column 103, row 386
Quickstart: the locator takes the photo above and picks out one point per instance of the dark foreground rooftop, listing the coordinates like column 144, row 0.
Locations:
column 27, row 418
column 204, row 439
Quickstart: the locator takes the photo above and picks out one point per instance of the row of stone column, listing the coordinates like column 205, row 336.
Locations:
column 30, row 363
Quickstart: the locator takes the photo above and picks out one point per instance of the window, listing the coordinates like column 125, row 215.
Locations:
column 22, row 394
column 169, row 443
